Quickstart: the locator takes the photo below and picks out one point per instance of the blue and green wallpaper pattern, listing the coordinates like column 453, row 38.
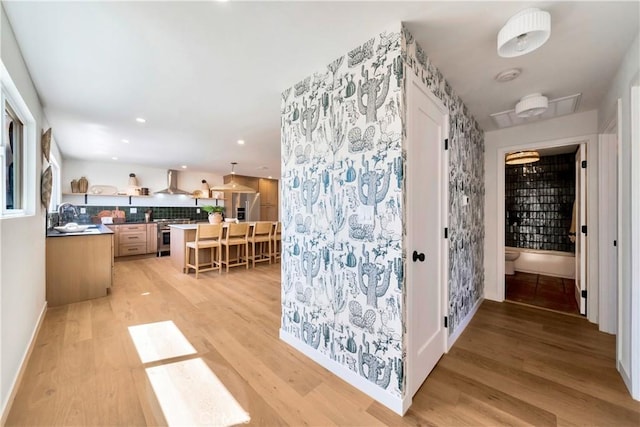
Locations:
column 342, row 207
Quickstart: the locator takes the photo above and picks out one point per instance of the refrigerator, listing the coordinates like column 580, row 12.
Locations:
column 245, row 207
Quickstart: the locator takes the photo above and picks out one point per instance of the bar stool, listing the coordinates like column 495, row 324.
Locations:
column 207, row 237
column 276, row 241
column 236, row 235
column 261, row 234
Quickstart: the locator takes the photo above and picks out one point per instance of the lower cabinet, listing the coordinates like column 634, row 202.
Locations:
column 134, row 239
column 78, row 268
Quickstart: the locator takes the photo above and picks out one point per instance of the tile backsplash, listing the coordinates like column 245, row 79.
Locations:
column 158, row 212
column 539, row 201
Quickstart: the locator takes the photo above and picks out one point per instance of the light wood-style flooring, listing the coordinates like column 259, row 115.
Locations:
column 513, row 365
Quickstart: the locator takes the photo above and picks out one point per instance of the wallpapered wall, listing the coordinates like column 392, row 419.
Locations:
column 342, row 207
column 466, row 177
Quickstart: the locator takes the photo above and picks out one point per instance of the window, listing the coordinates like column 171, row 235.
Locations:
column 17, row 152
column 55, row 188
column 12, row 153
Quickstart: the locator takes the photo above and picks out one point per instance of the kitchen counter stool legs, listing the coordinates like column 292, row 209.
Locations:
column 208, row 236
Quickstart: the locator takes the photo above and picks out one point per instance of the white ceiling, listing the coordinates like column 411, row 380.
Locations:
column 205, row 74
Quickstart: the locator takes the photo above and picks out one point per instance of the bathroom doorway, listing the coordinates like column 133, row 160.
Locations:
column 544, row 209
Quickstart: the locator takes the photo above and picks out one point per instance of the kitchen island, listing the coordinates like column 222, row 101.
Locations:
column 79, row 265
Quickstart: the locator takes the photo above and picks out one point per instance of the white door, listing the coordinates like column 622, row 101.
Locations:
column 581, row 236
column 426, row 130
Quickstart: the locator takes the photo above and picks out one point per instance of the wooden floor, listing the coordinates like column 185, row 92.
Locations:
column 554, row 293
column 513, row 365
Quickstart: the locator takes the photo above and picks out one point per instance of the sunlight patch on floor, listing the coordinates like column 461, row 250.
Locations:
column 190, row 394
column 158, row 341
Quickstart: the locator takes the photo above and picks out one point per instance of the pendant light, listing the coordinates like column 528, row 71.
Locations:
column 522, row 157
column 232, row 185
column 524, row 32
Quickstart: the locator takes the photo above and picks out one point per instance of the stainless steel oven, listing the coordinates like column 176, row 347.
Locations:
column 164, row 233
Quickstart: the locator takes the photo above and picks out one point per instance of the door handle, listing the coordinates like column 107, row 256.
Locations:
column 417, row 256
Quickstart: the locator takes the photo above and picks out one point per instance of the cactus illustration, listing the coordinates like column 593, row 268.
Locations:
column 309, row 193
column 336, row 213
column 303, row 225
column 351, row 172
column 361, row 53
column 303, row 295
column 397, row 170
column 295, row 115
column 357, row 318
column 325, row 103
column 302, row 87
column 351, row 86
column 351, row 343
column 336, row 293
column 377, row 184
column 296, row 316
column 359, row 142
column 375, row 94
column 309, row 120
column 310, row 334
column 326, row 334
column 326, row 180
column 302, row 153
column 338, row 129
column 399, row 369
column 351, row 257
column 397, row 69
column 359, row 231
column 374, row 368
column 398, row 270
column 372, row 289
column 310, row 265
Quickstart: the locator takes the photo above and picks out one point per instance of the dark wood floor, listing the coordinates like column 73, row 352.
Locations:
column 554, row 293
column 514, row 365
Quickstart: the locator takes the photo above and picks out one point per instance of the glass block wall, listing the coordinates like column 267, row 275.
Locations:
column 539, row 201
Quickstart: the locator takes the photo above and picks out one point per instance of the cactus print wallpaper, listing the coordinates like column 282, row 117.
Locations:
column 466, row 177
column 342, row 211
column 342, row 207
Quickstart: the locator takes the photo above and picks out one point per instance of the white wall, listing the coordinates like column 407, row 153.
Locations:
column 574, row 128
column 628, row 75
column 117, row 174
column 22, row 242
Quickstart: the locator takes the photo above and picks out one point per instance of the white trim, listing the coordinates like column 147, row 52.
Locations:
column 6, row 405
column 635, row 243
column 413, row 83
column 10, row 93
column 608, row 147
column 463, row 324
column 395, row 403
column 592, row 288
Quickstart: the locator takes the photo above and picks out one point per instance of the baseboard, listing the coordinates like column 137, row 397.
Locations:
column 6, row 405
column 396, row 404
column 463, row 325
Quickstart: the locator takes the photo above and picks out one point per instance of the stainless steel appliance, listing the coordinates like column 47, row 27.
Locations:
column 164, row 232
column 245, row 207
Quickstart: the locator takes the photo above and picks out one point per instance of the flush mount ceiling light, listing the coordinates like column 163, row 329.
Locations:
column 524, row 32
column 232, row 185
column 522, row 157
column 532, row 105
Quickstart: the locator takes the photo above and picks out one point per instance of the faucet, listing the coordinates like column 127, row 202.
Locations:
column 63, row 211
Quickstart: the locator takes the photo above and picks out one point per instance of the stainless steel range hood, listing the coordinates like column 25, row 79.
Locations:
column 172, row 184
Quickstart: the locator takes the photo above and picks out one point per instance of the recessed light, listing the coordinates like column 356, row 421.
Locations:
column 126, row 141
column 114, row 158
column 184, row 166
column 241, row 142
column 270, row 177
column 507, row 75
column 140, row 120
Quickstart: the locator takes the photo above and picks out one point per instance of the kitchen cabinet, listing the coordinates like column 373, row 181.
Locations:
column 134, row 239
column 78, row 268
column 152, row 238
column 268, row 199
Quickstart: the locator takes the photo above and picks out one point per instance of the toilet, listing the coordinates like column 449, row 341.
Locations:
column 510, row 258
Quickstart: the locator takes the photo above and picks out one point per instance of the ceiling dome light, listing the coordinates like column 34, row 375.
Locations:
column 524, row 32
column 522, row 157
column 532, row 105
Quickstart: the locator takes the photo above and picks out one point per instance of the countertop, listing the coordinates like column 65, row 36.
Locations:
column 97, row 230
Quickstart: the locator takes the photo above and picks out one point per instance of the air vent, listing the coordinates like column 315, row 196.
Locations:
column 557, row 107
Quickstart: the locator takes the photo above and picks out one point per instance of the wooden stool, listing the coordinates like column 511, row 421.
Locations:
column 207, row 237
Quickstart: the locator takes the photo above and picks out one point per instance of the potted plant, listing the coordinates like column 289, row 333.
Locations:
column 215, row 213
